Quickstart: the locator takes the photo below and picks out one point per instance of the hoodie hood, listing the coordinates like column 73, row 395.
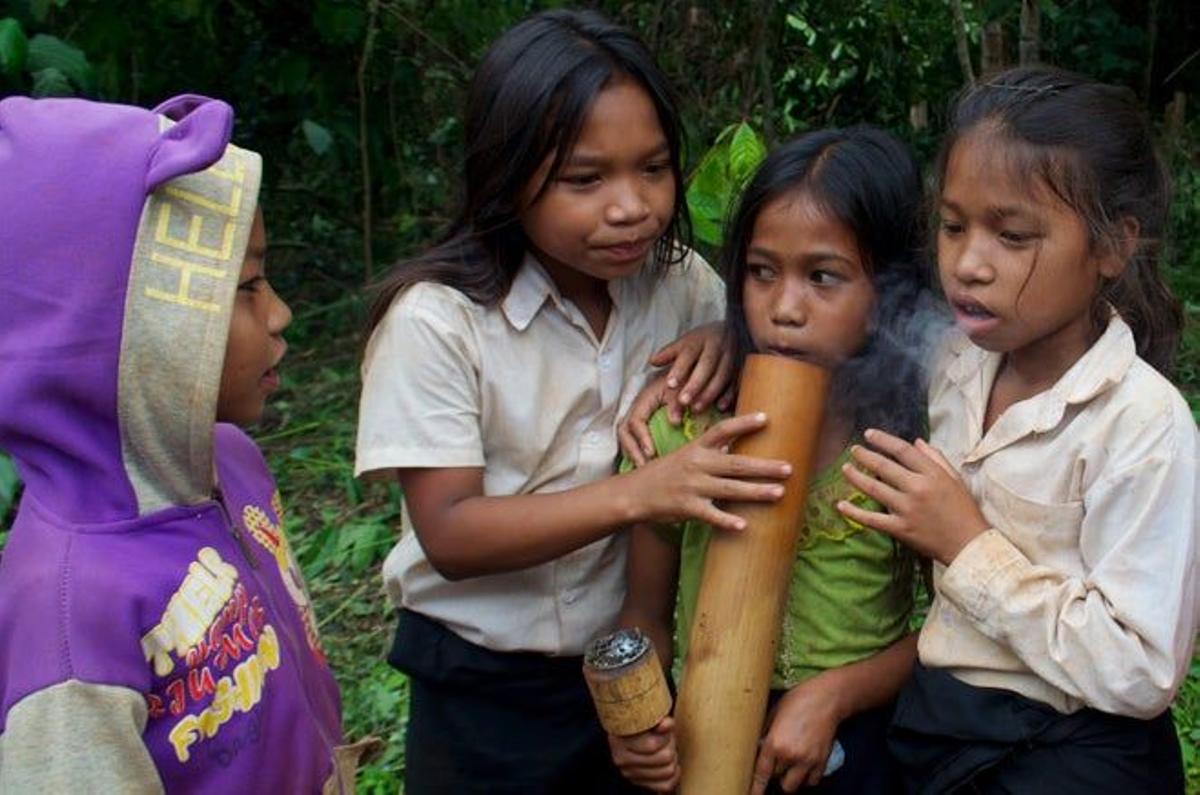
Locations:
column 123, row 236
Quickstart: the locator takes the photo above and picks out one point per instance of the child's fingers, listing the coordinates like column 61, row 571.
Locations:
column 744, row 467
column 720, row 520
column 667, row 353
column 718, row 383
column 883, row 522
column 764, row 769
column 874, row 488
column 631, row 446
column 800, row 774
column 897, row 448
column 685, row 356
column 882, row 467
column 725, row 432
column 703, row 371
column 936, row 454
column 725, row 402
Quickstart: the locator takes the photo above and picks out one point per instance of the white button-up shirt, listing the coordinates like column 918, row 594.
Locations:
column 525, row 390
column 1085, row 592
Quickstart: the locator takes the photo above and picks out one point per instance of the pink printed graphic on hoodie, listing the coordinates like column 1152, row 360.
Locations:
column 128, row 575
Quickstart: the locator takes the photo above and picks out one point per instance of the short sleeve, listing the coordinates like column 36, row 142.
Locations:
column 420, row 404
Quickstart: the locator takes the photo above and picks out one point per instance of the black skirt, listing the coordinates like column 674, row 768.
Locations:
column 482, row 721
column 948, row 736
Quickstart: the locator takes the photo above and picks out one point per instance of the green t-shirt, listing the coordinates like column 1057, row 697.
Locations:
column 850, row 594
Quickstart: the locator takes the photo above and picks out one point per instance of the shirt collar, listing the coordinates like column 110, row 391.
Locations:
column 1101, row 367
column 532, row 287
column 529, row 290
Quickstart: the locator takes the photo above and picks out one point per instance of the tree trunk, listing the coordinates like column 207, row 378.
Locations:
column 993, row 57
column 1176, row 117
column 960, row 42
column 918, row 115
column 1030, row 48
column 1151, row 45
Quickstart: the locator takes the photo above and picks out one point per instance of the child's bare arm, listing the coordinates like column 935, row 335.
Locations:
column 649, row 759
column 652, row 574
column 466, row 533
column 802, row 728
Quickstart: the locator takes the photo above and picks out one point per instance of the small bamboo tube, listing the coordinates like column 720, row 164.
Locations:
column 626, row 680
column 735, row 634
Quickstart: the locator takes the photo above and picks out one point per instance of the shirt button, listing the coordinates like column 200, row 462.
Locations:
column 570, row 598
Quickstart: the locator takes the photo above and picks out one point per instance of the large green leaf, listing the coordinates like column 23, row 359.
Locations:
column 50, row 52
column 746, row 151
column 50, row 82
column 14, row 47
column 319, row 138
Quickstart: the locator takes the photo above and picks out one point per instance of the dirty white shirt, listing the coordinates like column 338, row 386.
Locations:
column 1084, row 592
column 525, row 390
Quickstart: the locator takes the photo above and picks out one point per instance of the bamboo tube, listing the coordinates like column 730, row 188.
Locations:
column 626, row 680
column 732, row 647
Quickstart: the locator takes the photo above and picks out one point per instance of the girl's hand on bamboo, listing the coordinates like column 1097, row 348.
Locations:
column 649, row 759
column 928, row 507
column 800, row 734
column 687, row 483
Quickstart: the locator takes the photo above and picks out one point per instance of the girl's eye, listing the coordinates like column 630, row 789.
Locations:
column 252, row 285
column 1016, row 238
column 760, row 273
column 826, row 278
column 658, row 168
column 948, row 227
column 580, row 180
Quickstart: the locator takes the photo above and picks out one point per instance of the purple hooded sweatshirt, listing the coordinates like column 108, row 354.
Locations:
column 154, row 629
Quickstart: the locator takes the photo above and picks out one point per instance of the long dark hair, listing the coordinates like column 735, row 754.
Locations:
column 527, row 101
column 1090, row 144
column 868, row 181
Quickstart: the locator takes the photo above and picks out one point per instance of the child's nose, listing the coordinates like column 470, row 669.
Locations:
column 628, row 204
column 790, row 307
column 280, row 315
column 972, row 264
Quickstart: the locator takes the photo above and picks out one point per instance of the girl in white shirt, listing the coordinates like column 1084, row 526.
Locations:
column 1057, row 494
column 498, row 364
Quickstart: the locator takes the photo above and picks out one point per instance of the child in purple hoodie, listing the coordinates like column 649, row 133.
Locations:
column 155, row 633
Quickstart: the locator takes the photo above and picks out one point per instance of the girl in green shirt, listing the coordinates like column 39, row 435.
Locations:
column 822, row 264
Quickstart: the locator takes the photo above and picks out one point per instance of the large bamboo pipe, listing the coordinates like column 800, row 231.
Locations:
column 731, row 650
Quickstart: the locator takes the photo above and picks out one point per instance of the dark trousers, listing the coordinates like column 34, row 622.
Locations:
column 482, row 721
column 948, row 736
column 869, row 769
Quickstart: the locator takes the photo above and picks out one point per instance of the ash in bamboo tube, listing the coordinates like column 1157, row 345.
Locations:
column 626, row 681
column 736, row 627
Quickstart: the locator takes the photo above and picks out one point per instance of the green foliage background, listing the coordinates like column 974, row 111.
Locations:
column 355, row 106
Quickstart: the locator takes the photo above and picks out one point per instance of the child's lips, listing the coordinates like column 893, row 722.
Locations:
column 791, row 353
column 270, row 380
column 972, row 316
column 629, row 251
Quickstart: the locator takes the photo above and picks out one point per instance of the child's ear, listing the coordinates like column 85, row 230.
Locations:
column 197, row 139
column 1119, row 249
